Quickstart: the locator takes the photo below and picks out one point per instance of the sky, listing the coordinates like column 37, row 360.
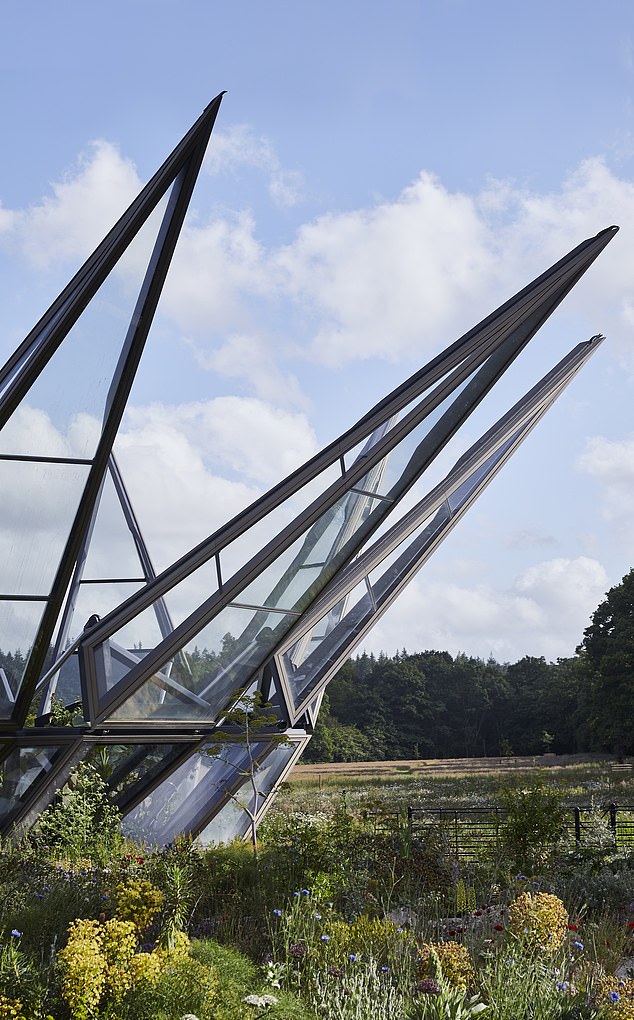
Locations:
column 380, row 178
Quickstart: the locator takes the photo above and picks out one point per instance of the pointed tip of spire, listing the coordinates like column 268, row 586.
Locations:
column 215, row 100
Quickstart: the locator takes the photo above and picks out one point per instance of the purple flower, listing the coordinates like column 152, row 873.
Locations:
column 428, row 987
column 353, row 958
column 579, row 945
column 16, row 934
column 614, row 997
column 325, row 938
column 277, row 912
column 562, row 986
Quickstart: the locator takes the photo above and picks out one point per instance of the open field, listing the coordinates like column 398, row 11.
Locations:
column 389, row 786
column 433, row 767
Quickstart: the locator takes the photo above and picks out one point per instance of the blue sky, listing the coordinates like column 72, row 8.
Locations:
column 381, row 177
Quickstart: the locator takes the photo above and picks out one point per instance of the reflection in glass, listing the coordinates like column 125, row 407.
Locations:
column 233, row 819
column 23, row 767
column 38, row 506
column 19, row 622
column 68, row 400
column 184, row 800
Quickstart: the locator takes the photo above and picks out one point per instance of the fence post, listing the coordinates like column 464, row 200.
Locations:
column 612, row 808
column 577, row 814
column 410, row 819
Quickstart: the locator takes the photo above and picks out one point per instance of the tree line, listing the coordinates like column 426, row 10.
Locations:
column 434, row 705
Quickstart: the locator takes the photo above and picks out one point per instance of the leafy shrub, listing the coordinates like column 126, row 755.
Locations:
column 534, row 822
column 184, row 985
column 83, row 824
column 615, row 997
column 139, row 901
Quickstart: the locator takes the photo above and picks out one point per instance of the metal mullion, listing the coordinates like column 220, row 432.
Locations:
column 24, row 459
column 45, row 782
column 198, row 821
column 428, row 448
column 127, row 804
column 465, row 466
column 301, row 744
column 117, row 398
column 214, row 545
column 161, row 611
column 203, row 818
column 69, row 305
column 220, row 599
column 387, row 597
column 465, row 349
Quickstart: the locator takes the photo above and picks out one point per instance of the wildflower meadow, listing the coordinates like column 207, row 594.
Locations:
column 340, row 910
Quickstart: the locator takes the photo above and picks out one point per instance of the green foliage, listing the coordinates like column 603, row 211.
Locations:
column 608, row 653
column 538, row 921
column 184, row 985
column 534, row 822
column 447, row 971
column 139, row 901
column 177, row 902
column 83, row 823
column 439, row 706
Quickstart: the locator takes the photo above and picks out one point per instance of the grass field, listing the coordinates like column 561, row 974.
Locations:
column 455, row 782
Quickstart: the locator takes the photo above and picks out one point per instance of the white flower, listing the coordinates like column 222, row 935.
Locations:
column 261, row 1000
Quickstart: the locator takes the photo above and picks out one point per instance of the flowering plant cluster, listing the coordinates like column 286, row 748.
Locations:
column 616, row 998
column 539, row 920
column 139, row 901
column 99, row 962
column 453, row 959
column 10, row 1009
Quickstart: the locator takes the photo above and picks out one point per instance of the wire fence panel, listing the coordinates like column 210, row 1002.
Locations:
column 473, row 834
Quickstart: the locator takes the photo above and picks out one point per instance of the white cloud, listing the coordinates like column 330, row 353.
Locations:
column 83, row 206
column 539, row 615
column 251, row 356
column 238, row 146
column 611, row 464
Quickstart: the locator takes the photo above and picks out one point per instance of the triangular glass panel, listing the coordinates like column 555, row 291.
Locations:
column 233, row 819
column 183, row 803
column 24, row 769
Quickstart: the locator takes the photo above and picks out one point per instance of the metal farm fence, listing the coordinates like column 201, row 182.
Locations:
column 474, row 833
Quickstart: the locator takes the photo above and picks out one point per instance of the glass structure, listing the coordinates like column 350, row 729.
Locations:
column 289, row 587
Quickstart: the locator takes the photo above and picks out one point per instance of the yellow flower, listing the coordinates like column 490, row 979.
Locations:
column 539, row 921
column 454, row 961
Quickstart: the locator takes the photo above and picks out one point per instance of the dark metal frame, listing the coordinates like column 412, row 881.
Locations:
column 434, row 403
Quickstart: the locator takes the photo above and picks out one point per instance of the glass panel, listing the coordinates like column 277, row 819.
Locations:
column 306, row 662
column 395, row 463
column 242, row 549
column 290, row 583
column 18, row 772
column 302, row 660
column 112, row 552
column 37, row 510
column 233, row 821
column 19, row 622
column 129, row 767
column 463, row 492
column 101, row 599
column 62, row 414
column 187, row 796
column 220, row 665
